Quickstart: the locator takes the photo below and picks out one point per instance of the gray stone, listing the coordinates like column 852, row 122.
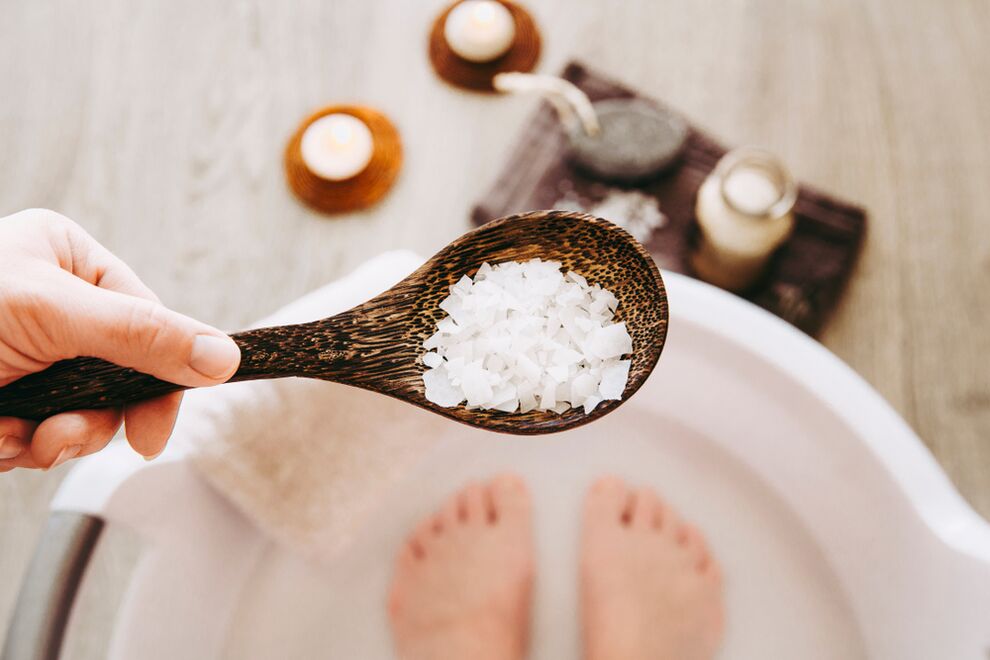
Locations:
column 638, row 140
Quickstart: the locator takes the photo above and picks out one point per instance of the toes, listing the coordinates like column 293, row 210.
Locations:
column 703, row 559
column 645, row 506
column 415, row 549
column 509, row 498
column 608, row 499
column 660, row 515
column 471, row 504
column 437, row 524
column 424, row 534
column 410, row 552
column 423, row 538
column 671, row 523
column 713, row 571
column 682, row 533
column 450, row 512
column 695, row 547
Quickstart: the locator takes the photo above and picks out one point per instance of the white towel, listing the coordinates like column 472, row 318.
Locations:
column 309, row 461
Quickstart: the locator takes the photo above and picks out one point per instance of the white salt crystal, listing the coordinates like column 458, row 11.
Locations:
column 614, row 378
column 494, row 363
column 558, row 373
column 477, row 389
column 591, row 403
column 434, row 341
column 583, row 386
column 509, row 406
column 439, row 389
column 454, row 306
column 525, row 336
column 548, row 397
column 578, row 279
column 448, row 327
column 610, row 341
column 527, row 368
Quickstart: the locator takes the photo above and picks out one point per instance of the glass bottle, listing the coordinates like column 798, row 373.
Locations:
column 745, row 211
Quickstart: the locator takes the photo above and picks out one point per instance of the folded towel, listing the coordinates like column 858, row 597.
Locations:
column 308, row 461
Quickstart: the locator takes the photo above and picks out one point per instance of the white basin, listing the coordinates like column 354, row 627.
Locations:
column 839, row 534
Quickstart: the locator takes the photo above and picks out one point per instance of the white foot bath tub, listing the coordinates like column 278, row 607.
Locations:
column 839, row 535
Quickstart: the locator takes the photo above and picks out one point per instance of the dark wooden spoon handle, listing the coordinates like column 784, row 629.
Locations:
column 91, row 383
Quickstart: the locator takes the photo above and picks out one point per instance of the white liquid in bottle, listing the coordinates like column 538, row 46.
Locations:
column 745, row 212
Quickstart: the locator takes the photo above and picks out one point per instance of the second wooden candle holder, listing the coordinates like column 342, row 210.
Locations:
column 477, row 76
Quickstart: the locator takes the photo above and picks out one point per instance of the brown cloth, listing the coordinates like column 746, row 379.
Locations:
column 804, row 278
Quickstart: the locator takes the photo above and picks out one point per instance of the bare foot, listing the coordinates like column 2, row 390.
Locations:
column 463, row 580
column 649, row 587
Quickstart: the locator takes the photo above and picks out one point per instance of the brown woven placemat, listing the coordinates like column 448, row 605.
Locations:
column 805, row 276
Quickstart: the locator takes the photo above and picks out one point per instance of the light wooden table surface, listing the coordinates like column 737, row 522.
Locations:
column 159, row 127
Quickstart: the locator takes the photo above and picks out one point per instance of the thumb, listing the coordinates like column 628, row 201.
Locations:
column 143, row 335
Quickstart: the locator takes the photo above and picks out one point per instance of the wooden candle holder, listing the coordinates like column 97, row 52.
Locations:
column 521, row 56
column 361, row 190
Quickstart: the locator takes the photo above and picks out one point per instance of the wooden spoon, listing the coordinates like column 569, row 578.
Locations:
column 377, row 345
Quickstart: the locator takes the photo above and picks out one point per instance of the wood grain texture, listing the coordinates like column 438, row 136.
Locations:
column 160, row 126
column 377, row 345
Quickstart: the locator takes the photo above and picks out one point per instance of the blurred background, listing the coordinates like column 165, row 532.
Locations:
column 159, row 126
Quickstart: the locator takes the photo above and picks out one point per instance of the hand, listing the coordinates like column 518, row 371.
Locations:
column 63, row 295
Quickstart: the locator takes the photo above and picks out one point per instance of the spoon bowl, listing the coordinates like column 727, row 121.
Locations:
column 377, row 345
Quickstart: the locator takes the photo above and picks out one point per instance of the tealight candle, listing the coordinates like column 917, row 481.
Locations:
column 479, row 30
column 336, row 147
column 745, row 210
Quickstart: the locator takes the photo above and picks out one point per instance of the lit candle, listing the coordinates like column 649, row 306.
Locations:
column 337, row 147
column 479, row 30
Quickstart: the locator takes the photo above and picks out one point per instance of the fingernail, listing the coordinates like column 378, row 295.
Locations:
column 67, row 452
column 10, row 447
column 154, row 456
column 214, row 357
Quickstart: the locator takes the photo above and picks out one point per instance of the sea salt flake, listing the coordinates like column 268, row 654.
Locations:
column 521, row 336
column 440, row 390
column 448, row 327
column 614, row 378
column 548, row 397
column 610, row 341
column 591, row 403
